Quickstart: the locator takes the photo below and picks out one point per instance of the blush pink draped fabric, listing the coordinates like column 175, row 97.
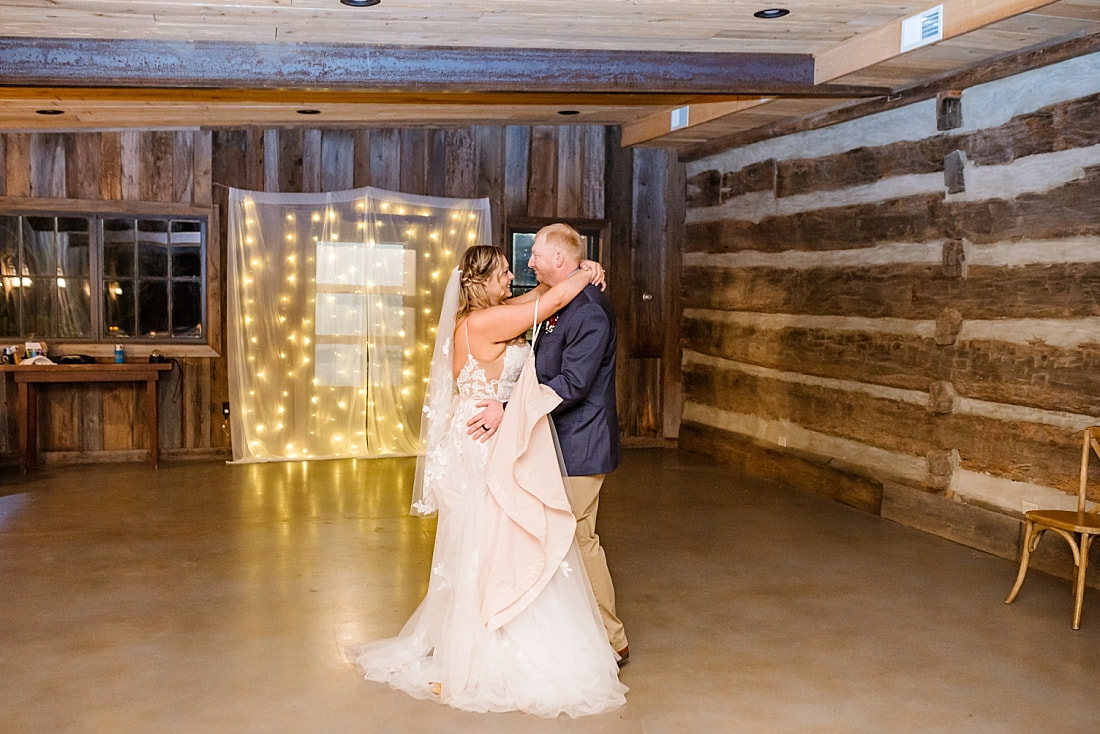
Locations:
column 529, row 525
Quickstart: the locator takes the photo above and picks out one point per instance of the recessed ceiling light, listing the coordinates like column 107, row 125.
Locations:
column 569, row 112
column 360, row 3
column 309, row 112
column 49, row 112
column 771, row 13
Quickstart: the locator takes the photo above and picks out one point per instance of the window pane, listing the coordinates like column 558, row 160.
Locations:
column 153, row 308
column 39, row 246
column 118, row 308
column 118, row 248
column 36, row 306
column 152, row 249
column 73, row 307
column 521, row 253
column 186, row 249
column 186, row 261
column 187, row 309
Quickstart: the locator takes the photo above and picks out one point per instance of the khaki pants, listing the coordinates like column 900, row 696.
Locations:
column 586, row 500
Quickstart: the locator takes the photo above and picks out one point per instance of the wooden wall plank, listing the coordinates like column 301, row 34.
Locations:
column 899, row 291
column 201, row 167
column 48, row 165
column 672, row 395
column 386, row 161
column 311, row 161
column 542, row 172
column 460, row 172
column 289, row 160
column 84, row 166
column 361, row 161
column 337, row 160
column 17, row 164
column 594, row 172
column 437, row 163
column 183, row 171
column 271, row 160
column 171, row 418
column 130, row 153
column 517, row 146
column 489, row 147
column 413, row 159
column 647, row 295
column 157, row 181
column 570, row 157
column 110, row 184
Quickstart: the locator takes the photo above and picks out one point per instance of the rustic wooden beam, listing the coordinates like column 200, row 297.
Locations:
column 959, row 17
column 210, row 64
column 999, row 67
column 659, row 124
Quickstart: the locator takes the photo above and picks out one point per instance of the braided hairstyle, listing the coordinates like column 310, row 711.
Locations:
column 479, row 263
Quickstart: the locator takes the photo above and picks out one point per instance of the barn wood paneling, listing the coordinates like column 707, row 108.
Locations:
column 1035, row 374
column 902, row 290
column 985, row 444
column 525, row 172
column 828, row 368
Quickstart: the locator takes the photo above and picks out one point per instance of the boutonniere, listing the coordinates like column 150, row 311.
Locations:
column 549, row 324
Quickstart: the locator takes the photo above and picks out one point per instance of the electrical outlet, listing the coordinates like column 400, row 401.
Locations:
column 1028, row 506
column 225, row 410
column 782, row 440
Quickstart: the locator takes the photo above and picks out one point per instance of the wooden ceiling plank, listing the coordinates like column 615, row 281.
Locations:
column 658, row 124
column 883, row 43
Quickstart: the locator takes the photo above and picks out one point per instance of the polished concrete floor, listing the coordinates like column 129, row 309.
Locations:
column 205, row 597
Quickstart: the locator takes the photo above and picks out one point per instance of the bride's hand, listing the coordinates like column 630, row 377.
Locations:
column 595, row 273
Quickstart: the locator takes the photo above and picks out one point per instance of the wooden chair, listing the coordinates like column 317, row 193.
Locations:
column 1078, row 528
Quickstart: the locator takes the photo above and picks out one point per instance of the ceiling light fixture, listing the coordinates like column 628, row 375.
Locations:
column 360, row 3
column 771, row 13
column 569, row 112
column 309, row 112
column 49, row 112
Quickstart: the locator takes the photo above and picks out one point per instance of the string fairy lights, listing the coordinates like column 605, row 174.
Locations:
column 334, row 316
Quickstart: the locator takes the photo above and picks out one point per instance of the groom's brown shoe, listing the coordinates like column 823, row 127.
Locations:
column 624, row 655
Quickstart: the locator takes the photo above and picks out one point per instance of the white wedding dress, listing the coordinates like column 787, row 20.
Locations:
column 550, row 654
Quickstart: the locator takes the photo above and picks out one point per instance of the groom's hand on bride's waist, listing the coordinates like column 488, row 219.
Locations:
column 485, row 424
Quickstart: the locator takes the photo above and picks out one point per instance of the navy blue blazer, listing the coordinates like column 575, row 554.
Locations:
column 576, row 357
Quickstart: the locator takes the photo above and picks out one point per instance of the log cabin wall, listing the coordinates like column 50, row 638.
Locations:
column 576, row 172
column 903, row 317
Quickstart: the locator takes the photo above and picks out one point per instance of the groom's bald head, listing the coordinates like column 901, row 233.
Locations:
column 556, row 253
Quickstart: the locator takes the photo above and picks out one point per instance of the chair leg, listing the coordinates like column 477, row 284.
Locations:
column 1025, row 557
column 1079, row 582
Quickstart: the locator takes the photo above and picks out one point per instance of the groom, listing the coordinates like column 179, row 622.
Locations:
column 575, row 356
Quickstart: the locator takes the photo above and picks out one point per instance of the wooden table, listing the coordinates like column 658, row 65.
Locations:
column 29, row 377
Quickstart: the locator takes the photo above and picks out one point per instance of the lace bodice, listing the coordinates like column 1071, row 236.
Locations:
column 472, row 383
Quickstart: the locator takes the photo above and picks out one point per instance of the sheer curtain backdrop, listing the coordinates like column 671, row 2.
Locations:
column 333, row 301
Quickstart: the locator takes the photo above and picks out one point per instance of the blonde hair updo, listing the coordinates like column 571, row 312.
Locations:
column 479, row 263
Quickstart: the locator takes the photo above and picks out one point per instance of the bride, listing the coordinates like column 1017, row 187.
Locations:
column 509, row 622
